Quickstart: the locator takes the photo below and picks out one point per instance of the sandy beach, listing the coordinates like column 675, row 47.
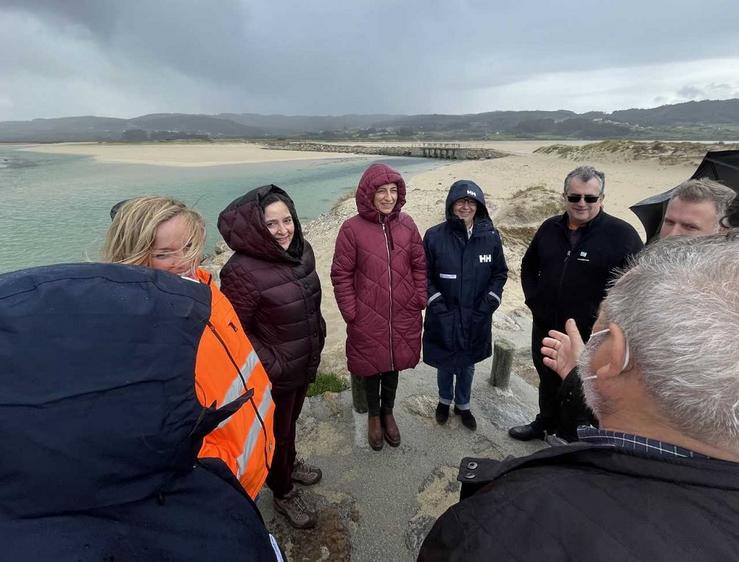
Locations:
column 185, row 154
column 521, row 189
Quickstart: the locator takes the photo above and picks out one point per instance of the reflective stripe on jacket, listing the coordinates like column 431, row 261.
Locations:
column 225, row 367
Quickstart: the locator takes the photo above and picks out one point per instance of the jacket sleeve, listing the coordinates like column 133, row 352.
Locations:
column 499, row 274
column 418, row 265
column 632, row 246
column 530, row 267
column 432, row 291
column 342, row 273
column 239, row 289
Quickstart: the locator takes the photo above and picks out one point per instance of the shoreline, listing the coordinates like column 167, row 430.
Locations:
column 186, row 154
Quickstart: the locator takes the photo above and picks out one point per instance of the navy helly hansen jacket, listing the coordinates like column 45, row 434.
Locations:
column 465, row 278
column 100, row 425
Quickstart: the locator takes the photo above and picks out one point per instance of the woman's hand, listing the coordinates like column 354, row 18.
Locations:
column 561, row 351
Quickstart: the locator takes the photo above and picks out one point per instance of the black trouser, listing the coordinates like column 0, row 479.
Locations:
column 549, row 383
column 381, row 390
column 288, row 405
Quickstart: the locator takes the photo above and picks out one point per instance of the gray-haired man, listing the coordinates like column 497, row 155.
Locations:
column 660, row 479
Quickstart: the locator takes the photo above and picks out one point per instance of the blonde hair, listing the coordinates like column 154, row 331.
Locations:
column 131, row 236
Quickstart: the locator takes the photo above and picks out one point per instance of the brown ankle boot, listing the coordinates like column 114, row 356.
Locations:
column 374, row 432
column 390, row 429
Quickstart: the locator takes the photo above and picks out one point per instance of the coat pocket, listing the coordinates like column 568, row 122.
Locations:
column 481, row 328
column 440, row 328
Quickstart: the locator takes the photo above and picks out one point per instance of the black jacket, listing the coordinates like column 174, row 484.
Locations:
column 588, row 502
column 465, row 279
column 276, row 293
column 560, row 282
column 100, row 425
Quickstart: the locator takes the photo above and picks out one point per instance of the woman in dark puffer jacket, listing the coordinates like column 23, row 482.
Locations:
column 379, row 277
column 272, row 283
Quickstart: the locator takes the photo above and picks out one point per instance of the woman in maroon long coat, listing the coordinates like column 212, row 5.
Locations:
column 379, row 278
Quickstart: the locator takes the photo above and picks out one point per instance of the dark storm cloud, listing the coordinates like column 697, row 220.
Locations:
column 333, row 57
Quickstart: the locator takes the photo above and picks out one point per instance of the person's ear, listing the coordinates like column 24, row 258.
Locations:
column 614, row 352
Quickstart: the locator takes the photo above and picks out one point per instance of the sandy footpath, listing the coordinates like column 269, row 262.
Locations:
column 186, row 155
column 626, row 183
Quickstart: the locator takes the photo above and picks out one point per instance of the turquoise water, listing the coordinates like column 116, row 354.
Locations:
column 55, row 208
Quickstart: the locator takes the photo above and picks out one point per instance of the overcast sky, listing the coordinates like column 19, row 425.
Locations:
column 124, row 58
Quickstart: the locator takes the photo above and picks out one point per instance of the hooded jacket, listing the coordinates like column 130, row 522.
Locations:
column 465, row 284
column 379, row 278
column 100, row 423
column 275, row 292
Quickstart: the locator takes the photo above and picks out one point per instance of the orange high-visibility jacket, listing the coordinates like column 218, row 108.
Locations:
column 226, row 361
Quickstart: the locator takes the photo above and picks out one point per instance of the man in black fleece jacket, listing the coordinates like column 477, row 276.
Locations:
column 565, row 273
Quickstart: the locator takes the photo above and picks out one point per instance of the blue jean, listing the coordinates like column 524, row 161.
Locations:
column 461, row 391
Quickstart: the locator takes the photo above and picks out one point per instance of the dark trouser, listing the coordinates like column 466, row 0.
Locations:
column 381, row 390
column 287, row 409
column 549, row 383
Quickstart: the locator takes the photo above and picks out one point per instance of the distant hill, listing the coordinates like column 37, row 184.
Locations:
column 702, row 120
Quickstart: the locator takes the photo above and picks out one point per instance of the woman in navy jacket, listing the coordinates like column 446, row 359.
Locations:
column 466, row 271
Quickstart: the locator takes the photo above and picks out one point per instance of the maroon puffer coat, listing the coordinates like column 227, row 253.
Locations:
column 379, row 277
column 276, row 293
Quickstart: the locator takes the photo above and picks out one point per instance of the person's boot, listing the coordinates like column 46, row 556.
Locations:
column 298, row 513
column 374, row 432
column 306, row 474
column 468, row 420
column 533, row 430
column 442, row 413
column 390, row 429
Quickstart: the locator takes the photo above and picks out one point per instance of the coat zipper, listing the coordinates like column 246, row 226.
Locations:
column 390, row 288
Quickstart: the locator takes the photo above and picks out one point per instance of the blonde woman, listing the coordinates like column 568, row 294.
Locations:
column 163, row 233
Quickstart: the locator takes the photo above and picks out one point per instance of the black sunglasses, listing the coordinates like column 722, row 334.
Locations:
column 588, row 198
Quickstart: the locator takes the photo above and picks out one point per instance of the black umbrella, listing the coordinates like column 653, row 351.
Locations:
column 720, row 165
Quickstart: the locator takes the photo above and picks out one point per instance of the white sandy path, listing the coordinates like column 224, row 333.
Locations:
column 188, row 155
column 626, row 183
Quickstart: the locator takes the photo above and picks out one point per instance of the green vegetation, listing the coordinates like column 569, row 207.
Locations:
column 327, row 382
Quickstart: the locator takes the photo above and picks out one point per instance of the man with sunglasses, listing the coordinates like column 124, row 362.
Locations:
column 564, row 274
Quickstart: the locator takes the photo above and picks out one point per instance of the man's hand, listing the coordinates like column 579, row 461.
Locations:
column 561, row 351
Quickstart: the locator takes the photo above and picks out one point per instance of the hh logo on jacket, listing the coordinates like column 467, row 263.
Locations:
column 486, row 258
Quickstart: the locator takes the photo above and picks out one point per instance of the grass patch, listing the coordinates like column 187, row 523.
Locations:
column 327, row 382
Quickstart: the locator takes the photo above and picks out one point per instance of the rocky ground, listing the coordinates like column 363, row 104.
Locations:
column 378, row 506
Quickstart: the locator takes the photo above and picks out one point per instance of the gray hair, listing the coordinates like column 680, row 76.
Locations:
column 679, row 309
column 704, row 189
column 585, row 174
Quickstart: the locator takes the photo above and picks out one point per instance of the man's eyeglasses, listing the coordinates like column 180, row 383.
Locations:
column 588, row 198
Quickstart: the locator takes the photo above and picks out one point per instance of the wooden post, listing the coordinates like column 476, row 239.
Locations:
column 359, row 394
column 503, row 351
